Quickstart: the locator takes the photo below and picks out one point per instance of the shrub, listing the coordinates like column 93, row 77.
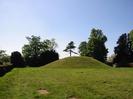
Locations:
column 48, row 56
column 17, row 59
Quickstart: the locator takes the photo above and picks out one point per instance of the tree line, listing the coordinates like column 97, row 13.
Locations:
column 37, row 52
column 95, row 47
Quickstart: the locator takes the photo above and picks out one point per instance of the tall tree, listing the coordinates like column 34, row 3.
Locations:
column 70, row 47
column 96, row 45
column 123, row 50
column 83, row 48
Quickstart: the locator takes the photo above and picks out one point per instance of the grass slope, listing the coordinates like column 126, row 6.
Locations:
column 64, row 83
column 77, row 62
column 68, row 83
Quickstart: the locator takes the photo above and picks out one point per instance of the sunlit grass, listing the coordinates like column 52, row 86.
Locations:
column 63, row 83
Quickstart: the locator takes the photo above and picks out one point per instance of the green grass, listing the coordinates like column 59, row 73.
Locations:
column 77, row 62
column 62, row 83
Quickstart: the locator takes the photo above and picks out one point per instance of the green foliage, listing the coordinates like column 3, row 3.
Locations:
column 123, row 50
column 48, row 56
column 35, row 48
column 95, row 47
column 70, row 47
column 17, row 60
column 83, row 48
column 4, row 58
column 131, row 38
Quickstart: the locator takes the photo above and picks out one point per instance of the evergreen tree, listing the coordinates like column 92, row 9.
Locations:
column 70, row 47
column 123, row 50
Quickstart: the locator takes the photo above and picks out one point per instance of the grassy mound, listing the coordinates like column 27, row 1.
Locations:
column 83, row 83
column 77, row 62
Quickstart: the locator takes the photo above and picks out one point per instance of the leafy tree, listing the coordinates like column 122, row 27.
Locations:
column 2, row 53
column 50, row 44
column 35, row 47
column 4, row 58
column 70, row 47
column 96, row 45
column 83, row 48
column 123, row 50
column 17, row 59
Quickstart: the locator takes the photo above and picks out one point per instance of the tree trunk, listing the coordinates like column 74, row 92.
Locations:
column 70, row 53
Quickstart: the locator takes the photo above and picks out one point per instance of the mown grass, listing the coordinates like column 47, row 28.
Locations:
column 63, row 83
column 77, row 62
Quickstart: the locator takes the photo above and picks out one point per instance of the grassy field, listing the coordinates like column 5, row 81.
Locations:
column 68, row 83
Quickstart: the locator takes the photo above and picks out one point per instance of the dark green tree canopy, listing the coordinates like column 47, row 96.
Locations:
column 95, row 47
column 123, row 50
column 17, row 59
column 83, row 48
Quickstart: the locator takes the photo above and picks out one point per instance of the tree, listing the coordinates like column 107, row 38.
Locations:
column 83, row 48
column 50, row 44
column 131, row 38
column 70, row 47
column 4, row 58
column 17, row 59
column 96, row 45
column 123, row 50
column 48, row 56
column 35, row 47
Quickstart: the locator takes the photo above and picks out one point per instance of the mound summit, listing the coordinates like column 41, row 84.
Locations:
column 77, row 62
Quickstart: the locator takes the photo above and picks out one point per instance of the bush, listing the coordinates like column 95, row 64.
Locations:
column 17, row 59
column 44, row 58
column 32, row 61
column 48, row 56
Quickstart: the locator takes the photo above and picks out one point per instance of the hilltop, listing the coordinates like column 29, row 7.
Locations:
column 77, row 62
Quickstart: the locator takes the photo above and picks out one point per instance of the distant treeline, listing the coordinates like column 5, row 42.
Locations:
column 35, row 53
column 95, row 47
column 38, row 53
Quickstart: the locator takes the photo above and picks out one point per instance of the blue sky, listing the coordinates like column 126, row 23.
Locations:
column 64, row 20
